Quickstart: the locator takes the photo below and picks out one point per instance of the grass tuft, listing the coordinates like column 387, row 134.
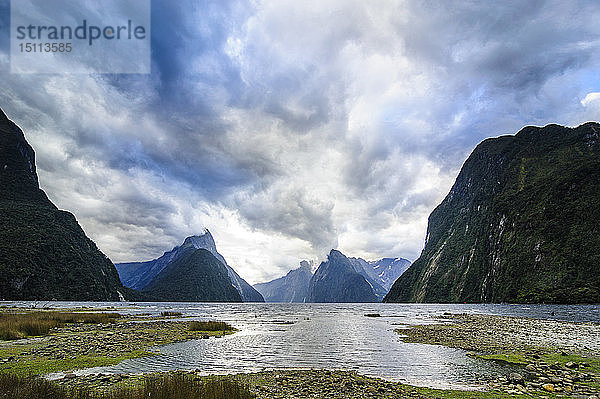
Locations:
column 169, row 386
column 22, row 325
column 210, row 326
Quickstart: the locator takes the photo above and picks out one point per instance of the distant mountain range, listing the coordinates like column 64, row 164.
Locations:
column 293, row 287
column 387, row 270
column 520, row 224
column 44, row 253
column 339, row 279
column 163, row 272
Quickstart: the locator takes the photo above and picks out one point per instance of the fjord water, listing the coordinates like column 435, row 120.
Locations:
column 331, row 336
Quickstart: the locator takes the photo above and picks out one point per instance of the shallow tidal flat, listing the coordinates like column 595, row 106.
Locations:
column 551, row 358
column 82, row 345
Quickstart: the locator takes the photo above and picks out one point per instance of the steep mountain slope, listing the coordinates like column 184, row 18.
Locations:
column 44, row 253
column 138, row 275
column 336, row 280
column 293, row 287
column 195, row 276
column 520, row 224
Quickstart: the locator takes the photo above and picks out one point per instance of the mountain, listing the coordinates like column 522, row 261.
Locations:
column 195, row 276
column 336, row 280
column 44, row 253
column 520, row 224
column 387, row 270
column 365, row 269
column 381, row 274
column 138, row 275
column 293, row 287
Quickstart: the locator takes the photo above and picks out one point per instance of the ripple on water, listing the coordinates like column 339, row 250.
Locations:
column 333, row 336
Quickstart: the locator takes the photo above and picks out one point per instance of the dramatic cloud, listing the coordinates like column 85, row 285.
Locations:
column 289, row 128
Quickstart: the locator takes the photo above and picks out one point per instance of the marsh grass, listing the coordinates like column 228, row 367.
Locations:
column 169, row 386
column 210, row 326
column 32, row 324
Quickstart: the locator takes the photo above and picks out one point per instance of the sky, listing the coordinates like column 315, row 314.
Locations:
column 289, row 128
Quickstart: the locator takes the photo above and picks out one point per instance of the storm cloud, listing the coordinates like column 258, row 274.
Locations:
column 289, row 128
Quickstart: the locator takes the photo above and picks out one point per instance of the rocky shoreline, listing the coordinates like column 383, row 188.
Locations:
column 556, row 359
column 78, row 346
column 276, row 384
column 552, row 359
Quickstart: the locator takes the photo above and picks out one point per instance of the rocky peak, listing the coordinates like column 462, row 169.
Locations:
column 306, row 265
column 205, row 241
column 334, row 255
column 201, row 241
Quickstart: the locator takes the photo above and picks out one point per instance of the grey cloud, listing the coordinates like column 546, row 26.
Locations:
column 292, row 213
column 241, row 127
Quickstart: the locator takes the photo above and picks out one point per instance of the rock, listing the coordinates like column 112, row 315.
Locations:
column 516, row 378
column 70, row 376
column 530, row 367
column 548, row 387
column 571, row 365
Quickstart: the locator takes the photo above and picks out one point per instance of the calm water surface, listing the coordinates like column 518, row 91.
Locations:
column 332, row 336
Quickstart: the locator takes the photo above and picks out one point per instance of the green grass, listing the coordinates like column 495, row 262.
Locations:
column 44, row 365
column 169, row 386
column 441, row 394
column 513, row 358
column 210, row 326
column 21, row 325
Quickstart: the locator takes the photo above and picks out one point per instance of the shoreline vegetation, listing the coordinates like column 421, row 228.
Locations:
column 551, row 359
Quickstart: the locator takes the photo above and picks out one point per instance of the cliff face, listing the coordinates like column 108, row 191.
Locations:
column 520, row 224
column 336, row 280
column 293, row 287
column 44, row 253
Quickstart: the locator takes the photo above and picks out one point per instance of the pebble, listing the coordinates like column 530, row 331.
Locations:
column 548, row 387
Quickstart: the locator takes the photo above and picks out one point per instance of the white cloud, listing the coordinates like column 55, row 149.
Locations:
column 590, row 98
